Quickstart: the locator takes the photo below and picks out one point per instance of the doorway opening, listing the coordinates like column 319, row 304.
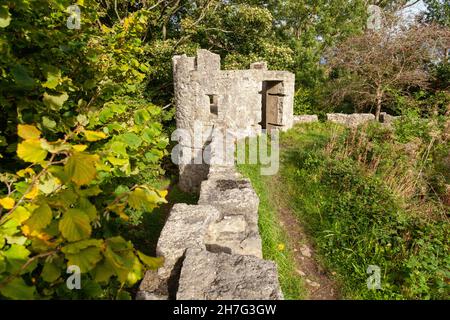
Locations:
column 271, row 103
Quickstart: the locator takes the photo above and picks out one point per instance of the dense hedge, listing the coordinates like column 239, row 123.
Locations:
column 79, row 144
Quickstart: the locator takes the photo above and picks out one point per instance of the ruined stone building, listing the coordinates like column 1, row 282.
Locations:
column 213, row 250
column 237, row 100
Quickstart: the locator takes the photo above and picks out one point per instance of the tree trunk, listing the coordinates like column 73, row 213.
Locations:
column 379, row 101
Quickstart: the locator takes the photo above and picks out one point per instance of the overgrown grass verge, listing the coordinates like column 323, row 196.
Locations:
column 368, row 197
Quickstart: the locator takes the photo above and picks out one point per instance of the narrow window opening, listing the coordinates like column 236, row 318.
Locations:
column 213, row 107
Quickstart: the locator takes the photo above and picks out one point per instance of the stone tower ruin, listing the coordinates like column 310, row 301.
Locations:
column 239, row 100
column 213, row 250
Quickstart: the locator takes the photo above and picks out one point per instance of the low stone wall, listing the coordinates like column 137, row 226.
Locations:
column 213, row 250
column 387, row 118
column 351, row 120
column 305, row 118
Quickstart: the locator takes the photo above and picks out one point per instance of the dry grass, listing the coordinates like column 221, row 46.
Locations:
column 401, row 165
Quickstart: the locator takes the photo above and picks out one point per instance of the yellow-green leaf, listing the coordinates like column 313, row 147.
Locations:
column 81, row 167
column 31, row 151
column 50, row 272
column 53, row 79
column 40, row 218
column 118, row 162
column 5, row 17
column 2, row 258
column 7, row 203
column 94, row 135
column 122, row 263
column 75, row 225
column 48, row 183
column 27, row 131
column 17, row 289
column 55, row 102
column 102, row 272
column 86, row 258
column 136, row 272
column 143, row 199
column 33, row 192
column 27, row 171
column 92, row 191
column 120, row 257
column 79, row 147
column 76, row 247
column 55, row 147
column 86, row 206
column 20, row 214
column 151, row 262
column 16, row 256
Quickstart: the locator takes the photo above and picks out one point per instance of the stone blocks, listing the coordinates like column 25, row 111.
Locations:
column 185, row 228
column 210, row 276
column 351, row 120
column 305, row 118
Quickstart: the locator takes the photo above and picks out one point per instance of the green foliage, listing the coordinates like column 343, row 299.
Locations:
column 352, row 189
column 77, row 137
column 312, row 26
column 305, row 101
column 438, row 11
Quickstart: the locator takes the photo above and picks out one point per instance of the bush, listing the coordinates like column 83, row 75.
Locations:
column 79, row 144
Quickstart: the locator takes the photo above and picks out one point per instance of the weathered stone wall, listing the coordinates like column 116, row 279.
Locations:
column 213, row 250
column 351, row 120
column 305, row 118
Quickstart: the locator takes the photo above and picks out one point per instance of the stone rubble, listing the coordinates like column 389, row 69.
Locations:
column 306, row 251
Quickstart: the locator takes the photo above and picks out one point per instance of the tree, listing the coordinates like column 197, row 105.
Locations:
column 438, row 11
column 311, row 26
column 369, row 66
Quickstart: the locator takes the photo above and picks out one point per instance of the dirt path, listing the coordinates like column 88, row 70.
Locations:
column 317, row 282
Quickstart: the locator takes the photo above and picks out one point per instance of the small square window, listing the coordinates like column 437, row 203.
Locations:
column 213, row 104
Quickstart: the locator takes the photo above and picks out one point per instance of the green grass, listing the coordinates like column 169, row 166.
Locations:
column 273, row 236
column 356, row 219
column 356, row 215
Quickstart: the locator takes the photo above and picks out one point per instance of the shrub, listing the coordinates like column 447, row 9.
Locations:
column 79, row 144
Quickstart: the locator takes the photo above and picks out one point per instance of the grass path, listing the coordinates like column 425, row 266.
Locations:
column 285, row 242
column 317, row 283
